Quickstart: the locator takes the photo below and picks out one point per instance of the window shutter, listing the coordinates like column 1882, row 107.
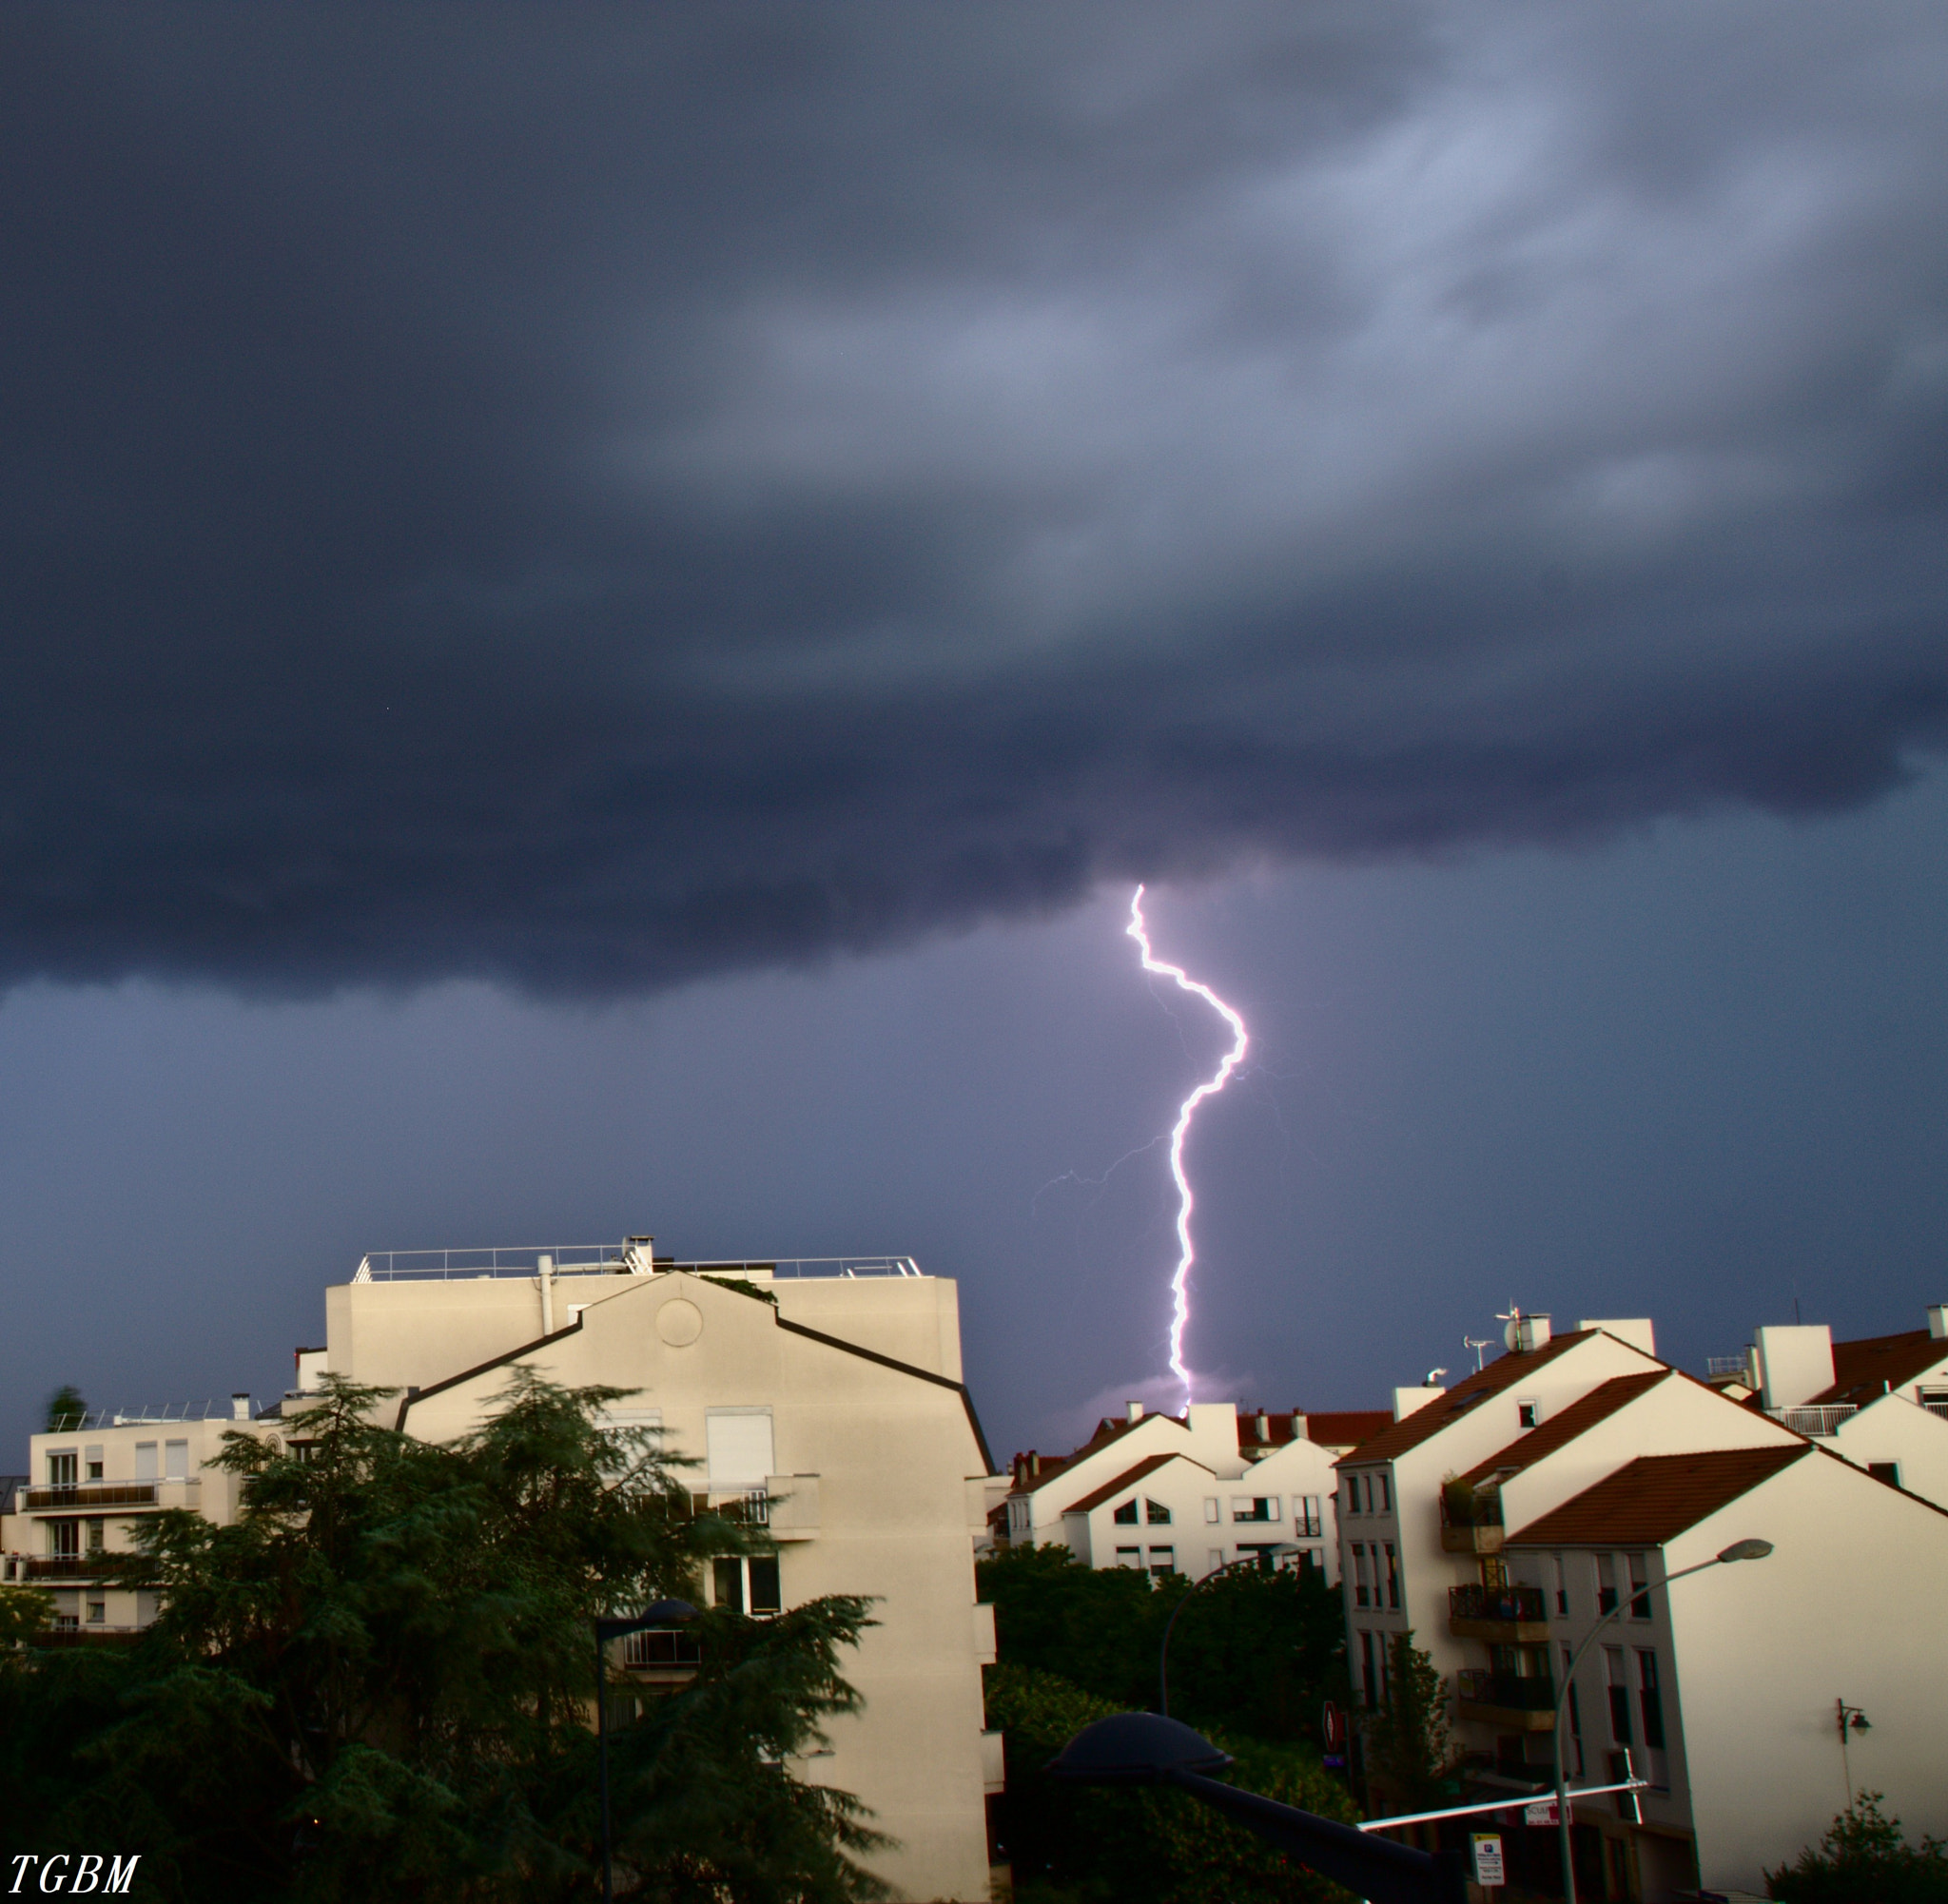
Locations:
column 738, row 1444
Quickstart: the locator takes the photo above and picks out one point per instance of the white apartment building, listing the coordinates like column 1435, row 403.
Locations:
column 89, row 1487
column 1500, row 1519
column 1190, row 1493
column 1880, row 1402
column 824, row 1398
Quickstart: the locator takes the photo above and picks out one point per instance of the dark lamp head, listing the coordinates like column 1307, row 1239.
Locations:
column 1135, row 1748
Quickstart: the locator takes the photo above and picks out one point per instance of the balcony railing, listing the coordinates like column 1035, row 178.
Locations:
column 1522, row 1605
column 1824, row 1420
column 87, row 1566
column 1507, row 1692
column 91, row 1494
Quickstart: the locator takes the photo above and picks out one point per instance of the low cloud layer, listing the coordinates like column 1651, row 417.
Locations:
column 591, row 499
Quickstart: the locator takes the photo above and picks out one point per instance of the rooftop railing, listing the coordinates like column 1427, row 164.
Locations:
column 573, row 1259
column 1824, row 1420
column 1725, row 1365
column 160, row 1414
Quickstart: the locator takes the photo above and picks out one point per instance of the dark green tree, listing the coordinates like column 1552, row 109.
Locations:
column 1407, row 1735
column 1256, row 1651
column 1864, row 1858
column 378, row 1683
column 66, row 1409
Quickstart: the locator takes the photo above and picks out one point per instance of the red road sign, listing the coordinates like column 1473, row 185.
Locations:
column 1332, row 1727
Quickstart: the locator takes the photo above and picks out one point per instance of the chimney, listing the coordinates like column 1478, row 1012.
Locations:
column 1300, row 1431
column 1526, row 1334
column 1794, row 1364
column 1937, row 1320
column 1034, row 1465
column 1264, row 1425
column 1136, row 1409
column 240, row 1407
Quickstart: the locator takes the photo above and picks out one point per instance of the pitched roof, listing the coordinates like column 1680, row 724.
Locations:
column 1347, row 1427
column 1129, row 1478
column 1861, row 1368
column 1601, row 1400
column 1656, row 1497
column 1431, row 1417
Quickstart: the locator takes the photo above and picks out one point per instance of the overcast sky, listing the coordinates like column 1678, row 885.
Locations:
column 601, row 607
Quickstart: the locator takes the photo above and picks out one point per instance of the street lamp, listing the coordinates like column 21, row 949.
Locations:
column 1273, row 1551
column 1739, row 1551
column 658, row 1613
column 1144, row 1748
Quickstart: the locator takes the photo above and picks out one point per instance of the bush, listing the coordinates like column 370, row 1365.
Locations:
column 1864, row 1858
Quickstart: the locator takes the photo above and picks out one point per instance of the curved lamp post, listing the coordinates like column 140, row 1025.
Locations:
column 657, row 1613
column 1739, row 1551
column 1144, row 1748
column 1273, row 1551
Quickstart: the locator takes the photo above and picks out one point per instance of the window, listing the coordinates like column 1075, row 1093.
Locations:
column 1129, row 1557
column 1888, row 1471
column 1210, row 1511
column 1528, row 1415
column 1367, row 1682
column 1562, row 1586
column 67, row 1622
column 1306, row 1524
column 1933, row 1400
column 1618, row 1695
column 63, row 1538
column 176, row 1460
column 97, row 1532
column 1126, row 1516
column 98, row 1613
column 1155, row 1513
column 1254, row 1508
column 91, row 1464
column 61, row 1468
column 146, row 1468
column 1639, row 1597
column 1606, row 1584
column 1162, row 1559
column 1213, row 1558
column 1649, row 1704
column 1392, row 1577
column 1362, row 1580
column 737, row 1445
column 748, row 1584
column 1575, row 1712
column 1353, row 1493
column 1385, row 1487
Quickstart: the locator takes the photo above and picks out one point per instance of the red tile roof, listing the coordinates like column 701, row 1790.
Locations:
column 1561, row 1428
column 1862, row 1369
column 1427, row 1420
column 1653, row 1498
column 1128, row 1478
column 1347, row 1427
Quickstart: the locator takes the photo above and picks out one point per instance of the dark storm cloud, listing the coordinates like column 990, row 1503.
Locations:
column 593, row 497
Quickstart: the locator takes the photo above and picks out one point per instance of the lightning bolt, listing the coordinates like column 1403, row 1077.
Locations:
column 1180, row 1282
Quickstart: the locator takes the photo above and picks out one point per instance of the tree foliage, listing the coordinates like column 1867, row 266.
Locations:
column 1407, row 1741
column 1864, row 1858
column 1146, row 1846
column 66, row 1409
column 378, row 1683
column 1258, row 1652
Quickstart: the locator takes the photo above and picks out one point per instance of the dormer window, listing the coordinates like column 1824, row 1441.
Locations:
column 1528, row 1414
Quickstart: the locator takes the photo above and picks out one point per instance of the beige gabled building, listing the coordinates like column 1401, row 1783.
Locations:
column 823, row 1400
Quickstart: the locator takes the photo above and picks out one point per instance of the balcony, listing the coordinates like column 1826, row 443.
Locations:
column 1506, row 1699
column 1471, row 1520
column 78, row 1499
column 118, row 1566
column 1504, row 1616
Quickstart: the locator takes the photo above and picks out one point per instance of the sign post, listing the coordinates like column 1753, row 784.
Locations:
column 1332, row 1733
column 1486, row 1848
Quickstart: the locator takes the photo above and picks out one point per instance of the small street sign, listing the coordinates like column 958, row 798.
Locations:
column 1332, row 1727
column 1543, row 1811
column 1487, row 1847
